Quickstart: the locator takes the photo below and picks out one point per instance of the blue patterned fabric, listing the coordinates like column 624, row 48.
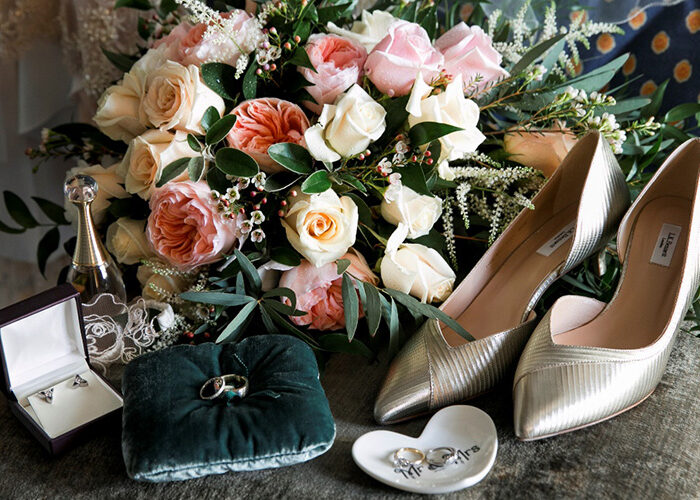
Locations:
column 663, row 43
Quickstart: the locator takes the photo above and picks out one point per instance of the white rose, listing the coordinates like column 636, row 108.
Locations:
column 146, row 157
column 161, row 287
column 416, row 269
column 347, row 127
column 109, row 185
column 369, row 30
column 175, row 98
column 321, row 226
column 117, row 113
column 126, row 240
column 418, row 212
column 452, row 108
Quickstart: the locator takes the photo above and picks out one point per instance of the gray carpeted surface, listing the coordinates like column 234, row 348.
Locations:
column 652, row 451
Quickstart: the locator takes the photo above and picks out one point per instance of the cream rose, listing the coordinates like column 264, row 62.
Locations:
column 418, row 212
column 160, row 287
column 347, row 127
column 321, row 226
column 118, row 114
column 146, row 157
column 109, row 184
column 369, row 30
column 416, row 269
column 175, row 98
column 126, row 240
column 452, row 108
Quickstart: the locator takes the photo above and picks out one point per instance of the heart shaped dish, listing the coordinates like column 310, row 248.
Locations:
column 467, row 429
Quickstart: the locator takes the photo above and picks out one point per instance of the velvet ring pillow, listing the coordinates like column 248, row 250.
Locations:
column 171, row 434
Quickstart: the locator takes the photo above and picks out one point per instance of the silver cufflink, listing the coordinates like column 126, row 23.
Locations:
column 79, row 382
column 46, row 395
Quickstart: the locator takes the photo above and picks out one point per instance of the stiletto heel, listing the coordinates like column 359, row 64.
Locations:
column 575, row 214
column 588, row 361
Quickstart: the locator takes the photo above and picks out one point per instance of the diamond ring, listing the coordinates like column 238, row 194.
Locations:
column 441, row 456
column 225, row 386
column 405, row 457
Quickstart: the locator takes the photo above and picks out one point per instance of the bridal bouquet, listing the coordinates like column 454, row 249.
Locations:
column 305, row 164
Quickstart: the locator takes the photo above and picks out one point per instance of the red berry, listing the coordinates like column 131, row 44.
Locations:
column 429, row 161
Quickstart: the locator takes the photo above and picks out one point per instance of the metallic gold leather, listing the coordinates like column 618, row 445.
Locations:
column 558, row 388
column 429, row 374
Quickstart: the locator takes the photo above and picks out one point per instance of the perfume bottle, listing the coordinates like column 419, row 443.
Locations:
column 92, row 270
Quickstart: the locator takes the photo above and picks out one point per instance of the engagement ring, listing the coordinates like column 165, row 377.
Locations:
column 405, row 457
column 225, row 387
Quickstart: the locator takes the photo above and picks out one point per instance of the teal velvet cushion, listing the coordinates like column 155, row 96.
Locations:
column 171, row 434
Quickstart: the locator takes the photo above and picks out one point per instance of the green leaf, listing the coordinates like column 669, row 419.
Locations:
column 217, row 180
column 267, row 320
column 120, row 61
column 195, row 168
column 285, row 255
column 133, row 4
column 682, row 111
column 235, row 327
column 172, row 170
column 250, row 81
column 285, row 309
column 627, row 105
column 11, row 230
column 534, row 53
column 372, row 307
column 396, row 115
column 221, row 78
column 288, row 327
column 342, row 265
column 232, row 161
column 280, row 181
column 413, row 177
column 353, row 182
column 428, row 311
column 210, row 117
column 350, row 305
column 391, row 317
column 301, row 58
column 292, row 157
column 194, row 143
column 218, row 131
column 598, row 78
column 166, row 7
column 19, row 211
column 427, row 132
column 317, row 182
column 428, row 20
column 52, row 210
column 249, row 271
column 337, row 342
column 282, row 292
column 217, row 298
column 47, row 246
column 333, row 12
column 364, row 212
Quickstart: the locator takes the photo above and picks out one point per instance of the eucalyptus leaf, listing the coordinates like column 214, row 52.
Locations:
column 292, row 157
column 194, row 143
column 210, row 117
column 249, row 271
column 221, row 78
column 285, row 255
column 682, row 111
column 534, row 53
column 267, row 320
column 351, row 306
column 217, row 298
column 280, row 181
column 342, row 265
column 317, row 182
column 218, row 131
column 372, row 307
column 195, row 168
column 250, row 81
column 282, row 292
column 217, row 180
column 288, row 327
column 172, row 170
column 235, row 162
column 426, row 132
column 235, row 327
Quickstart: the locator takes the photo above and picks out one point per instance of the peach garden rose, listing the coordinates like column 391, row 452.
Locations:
column 262, row 122
column 338, row 63
column 319, row 291
column 185, row 227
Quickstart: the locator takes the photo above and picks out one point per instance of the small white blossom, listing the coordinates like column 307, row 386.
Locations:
column 257, row 217
column 402, row 148
column 246, row 226
column 233, row 194
column 257, row 236
column 384, row 166
column 395, row 178
column 243, row 183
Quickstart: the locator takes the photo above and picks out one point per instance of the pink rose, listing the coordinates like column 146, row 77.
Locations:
column 468, row 52
column 395, row 61
column 185, row 227
column 338, row 63
column 260, row 123
column 187, row 44
column 319, row 291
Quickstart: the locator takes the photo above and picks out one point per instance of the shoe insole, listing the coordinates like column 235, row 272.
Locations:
column 500, row 305
column 642, row 307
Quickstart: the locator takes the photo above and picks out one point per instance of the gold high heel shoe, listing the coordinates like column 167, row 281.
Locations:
column 588, row 361
column 575, row 214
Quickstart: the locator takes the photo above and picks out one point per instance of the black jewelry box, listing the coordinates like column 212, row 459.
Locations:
column 43, row 346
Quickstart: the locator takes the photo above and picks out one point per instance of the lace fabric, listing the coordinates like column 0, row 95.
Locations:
column 117, row 333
